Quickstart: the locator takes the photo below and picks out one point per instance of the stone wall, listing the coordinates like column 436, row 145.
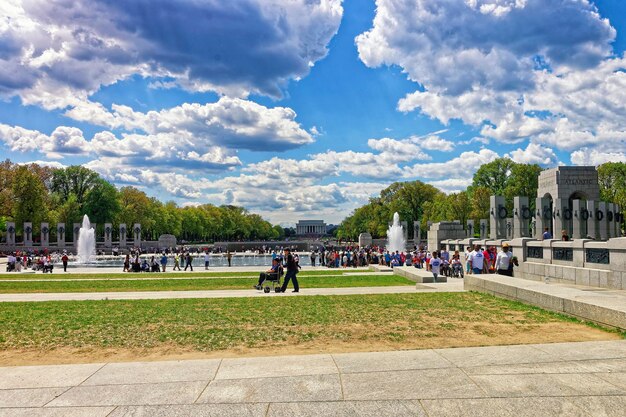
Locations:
column 580, row 262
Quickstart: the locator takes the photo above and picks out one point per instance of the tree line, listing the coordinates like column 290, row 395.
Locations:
column 34, row 193
column 416, row 200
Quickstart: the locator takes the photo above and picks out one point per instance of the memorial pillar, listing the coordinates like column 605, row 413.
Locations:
column 405, row 230
column 137, row 235
column 498, row 215
column 616, row 221
column 470, row 228
column 95, row 232
column 417, row 236
column 600, row 215
column 122, row 235
column 610, row 219
column 521, row 217
column 559, row 222
column 60, row 235
column 577, row 221
column 10, row 234
column 108, row 231
column 45, row 235
column 483, row 228
column 28, row 234
column 592, row 220
column 510, row 228
column 543, row 216
column 75, row 236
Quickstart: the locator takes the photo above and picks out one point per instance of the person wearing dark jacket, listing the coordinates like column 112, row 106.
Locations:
column 292, row 270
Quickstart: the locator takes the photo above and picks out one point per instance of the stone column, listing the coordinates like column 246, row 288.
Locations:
column 600, row 216
column 28, row 234
column 417, row 236
column 122, row 235
column 521, row 216
column 497, row 211
column 10, row 234
column 60, row 235
column 75, row 236
column 470, row 228
column 614, row 225
column 45, row 235
column 610, row 218
column 618, row 221
column 559, row 223
column 405, row 229
column 541, row 222
column 592, row 221
column 510, row 228
column 95, row 232
column 137, row 235
column 577, row 221
column 108, row 232
column 483, row 228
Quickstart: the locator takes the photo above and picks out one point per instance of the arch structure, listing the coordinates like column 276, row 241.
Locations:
column 566, row 191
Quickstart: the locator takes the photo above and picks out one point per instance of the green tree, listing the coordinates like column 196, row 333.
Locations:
column 494, row 175
column 102, row 202
column 75, row 180
column 612, row 182
column 29, row 197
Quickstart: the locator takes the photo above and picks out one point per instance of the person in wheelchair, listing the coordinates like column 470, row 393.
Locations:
column 457, row 266
column 273, row 272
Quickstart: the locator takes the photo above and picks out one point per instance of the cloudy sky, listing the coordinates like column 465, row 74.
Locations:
column 300, row 109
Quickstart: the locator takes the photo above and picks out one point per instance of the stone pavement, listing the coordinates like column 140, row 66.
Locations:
column 564, row 379
column 455, row 286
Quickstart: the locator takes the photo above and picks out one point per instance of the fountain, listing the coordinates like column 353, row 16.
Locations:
column 395, row 236
column 86, row 245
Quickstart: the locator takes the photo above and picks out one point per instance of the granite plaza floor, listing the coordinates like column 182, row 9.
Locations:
column 566, row 379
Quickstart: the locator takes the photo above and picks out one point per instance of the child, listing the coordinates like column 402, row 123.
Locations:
column 435, row 264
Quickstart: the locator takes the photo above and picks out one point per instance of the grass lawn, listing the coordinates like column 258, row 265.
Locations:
column 100, row 330
column 198, row 283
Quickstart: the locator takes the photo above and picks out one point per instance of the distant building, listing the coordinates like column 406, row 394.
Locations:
column 310, row 227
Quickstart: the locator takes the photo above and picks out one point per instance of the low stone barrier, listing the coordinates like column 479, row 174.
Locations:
column 599, row 307
column 417, row 275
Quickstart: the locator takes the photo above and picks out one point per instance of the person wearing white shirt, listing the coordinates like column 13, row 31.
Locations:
column 435, row 265
column 477, row 260
column 504, row 261
column 468, row 268
column 207, row 259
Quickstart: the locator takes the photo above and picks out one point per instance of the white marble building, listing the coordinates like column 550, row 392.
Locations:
column 310, row 227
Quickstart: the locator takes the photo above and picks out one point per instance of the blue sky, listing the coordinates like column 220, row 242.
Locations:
column 304, row 109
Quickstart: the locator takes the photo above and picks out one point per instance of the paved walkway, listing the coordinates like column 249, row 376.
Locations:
column 565, row 379
column 455, row 286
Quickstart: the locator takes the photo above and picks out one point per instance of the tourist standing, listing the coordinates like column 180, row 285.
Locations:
column 313, row 255
column 188, row 259
column 468, row 268
column 477, row 260
column 435, row 265
column 504, row 262
column 292, row 271
column 64, row 259
column 229, row 256
column 126, row 264
column 546, row 234
column 176, row 262
column 206, row 260
column 163, row 261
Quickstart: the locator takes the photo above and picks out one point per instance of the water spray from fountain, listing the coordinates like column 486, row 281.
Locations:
column 395, row 236
column 86, row 245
